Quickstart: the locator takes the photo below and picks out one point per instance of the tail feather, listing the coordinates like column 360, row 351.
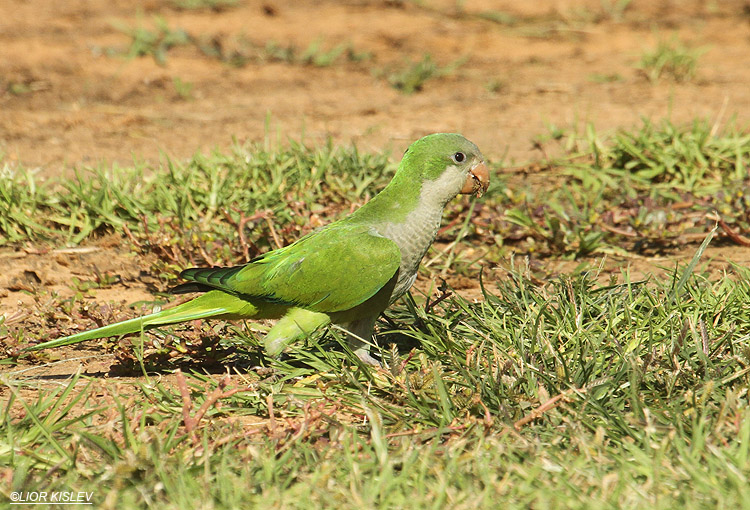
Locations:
column 212, row 304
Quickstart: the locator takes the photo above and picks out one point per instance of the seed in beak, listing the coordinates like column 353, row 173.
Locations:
column 477, row 181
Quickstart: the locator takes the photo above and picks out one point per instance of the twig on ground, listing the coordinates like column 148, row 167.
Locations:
column 546, row 406
column 191, row 422
column 444, row 294
column 276, row 239
column 132, row 238
column 734, row 236
column 271, row 416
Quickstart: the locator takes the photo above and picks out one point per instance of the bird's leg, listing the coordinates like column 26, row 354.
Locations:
column 297, row 323
column 360, row 339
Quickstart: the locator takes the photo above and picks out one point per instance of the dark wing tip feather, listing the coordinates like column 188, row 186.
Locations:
column 188, row 274
column 185, row 288
column 203, row 279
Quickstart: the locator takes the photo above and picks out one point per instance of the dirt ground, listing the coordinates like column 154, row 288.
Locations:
column 65, row 102
column 70, row 97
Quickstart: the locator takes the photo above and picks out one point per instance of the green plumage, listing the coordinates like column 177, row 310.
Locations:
column 331, row 270
column 213, row 304
column 346, row 273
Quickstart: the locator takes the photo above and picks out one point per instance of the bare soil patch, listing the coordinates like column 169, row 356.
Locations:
column 67, row 103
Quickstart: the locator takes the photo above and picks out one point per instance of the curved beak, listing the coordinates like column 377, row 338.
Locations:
column 478, row 180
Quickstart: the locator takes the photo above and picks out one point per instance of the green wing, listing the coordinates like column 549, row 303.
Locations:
column 330, row 270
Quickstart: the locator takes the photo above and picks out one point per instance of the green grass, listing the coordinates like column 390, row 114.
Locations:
column 620, row 190
column 615, row 9
column 241, row 51
column 496, row 85
column 498, row 17
column 184, row 89
column 154, row 42
column 615, row 191
column 219, row 192
column 672, row 60
column 215, row 5
column 235, row 50
column 578, row 391
column 570, row 394
column 605, row 78
column 411, row 77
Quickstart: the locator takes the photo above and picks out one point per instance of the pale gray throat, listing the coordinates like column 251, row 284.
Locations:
column 415, row 234
column 413, row 238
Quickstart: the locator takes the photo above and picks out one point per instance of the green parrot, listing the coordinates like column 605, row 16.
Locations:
column 346, row 273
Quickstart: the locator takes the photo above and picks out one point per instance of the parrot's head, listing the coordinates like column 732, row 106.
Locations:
column 447, row 164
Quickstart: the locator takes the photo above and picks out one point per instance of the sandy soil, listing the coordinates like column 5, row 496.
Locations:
column 66, row 103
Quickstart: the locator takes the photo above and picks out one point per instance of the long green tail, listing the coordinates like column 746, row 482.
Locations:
column 213, row 304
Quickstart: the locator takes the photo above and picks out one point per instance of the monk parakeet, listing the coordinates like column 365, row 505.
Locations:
column 345, row 273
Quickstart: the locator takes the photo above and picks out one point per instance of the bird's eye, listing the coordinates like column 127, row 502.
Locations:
column 459, row 157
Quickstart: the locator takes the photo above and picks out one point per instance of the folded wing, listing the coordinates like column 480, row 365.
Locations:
column 330, row 270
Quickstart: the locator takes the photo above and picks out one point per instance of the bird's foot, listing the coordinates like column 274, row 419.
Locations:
column 364, row 355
